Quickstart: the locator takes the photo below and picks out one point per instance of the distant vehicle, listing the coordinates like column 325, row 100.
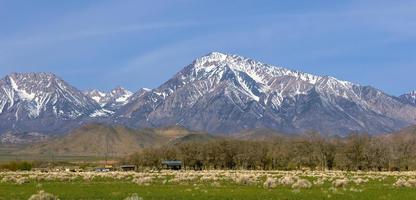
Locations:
column 102, row 170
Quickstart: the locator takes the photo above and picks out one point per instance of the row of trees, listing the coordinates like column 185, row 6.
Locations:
column 16, row 166
column 354, row 152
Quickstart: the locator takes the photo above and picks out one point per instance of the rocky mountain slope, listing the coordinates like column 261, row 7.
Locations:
column 409, row 98
column 112, row 100
column 217, row 93
column 223, row 93
column 41, row 103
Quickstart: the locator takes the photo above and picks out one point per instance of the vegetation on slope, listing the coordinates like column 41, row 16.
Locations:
column 105, row 140
column 312, row 150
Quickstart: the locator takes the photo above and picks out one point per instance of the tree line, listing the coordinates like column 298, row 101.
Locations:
column 396, row 152
column 16, row 166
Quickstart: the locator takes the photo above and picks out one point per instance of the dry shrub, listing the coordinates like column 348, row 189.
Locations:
column 134, row 197
column 7, row 179
column 15, row 179
column 340, row 182
column 401, row 182
column 412, row 182
column 142, row 180
column 355, row 190
column 41, row 195
column 288, row 180
column 22, row 180
column 244, row 179
column 359, row 181
column 269, row 183
column 215, row 184
column 319, row 181
column 302, row 184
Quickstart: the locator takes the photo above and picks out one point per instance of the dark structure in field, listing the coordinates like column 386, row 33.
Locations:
column 128, row 168
column 172, row 164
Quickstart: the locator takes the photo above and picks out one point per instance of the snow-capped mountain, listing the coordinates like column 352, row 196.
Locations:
column 409, row 98
column 229, row 93
column 97, row 96
column 41, row 102
column 218, row 93
column 112, row 100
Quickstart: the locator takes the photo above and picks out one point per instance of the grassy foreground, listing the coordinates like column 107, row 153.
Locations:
column 209, row 185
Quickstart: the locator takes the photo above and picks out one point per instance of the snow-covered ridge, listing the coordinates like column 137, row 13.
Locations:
column 31, row 94
column 96, row 95
column 257, row 70
column 121, row 95
column 22, row 93
column 217, row 92
column 102, row 113
column 226, row 93
column 112, row 100
column 254, row 78
column 409, row 97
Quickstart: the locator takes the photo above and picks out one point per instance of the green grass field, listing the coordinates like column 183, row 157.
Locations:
column 121, row 186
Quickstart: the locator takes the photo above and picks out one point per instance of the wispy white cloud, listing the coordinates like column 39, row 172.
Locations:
column 151, row 42
column 48, row 38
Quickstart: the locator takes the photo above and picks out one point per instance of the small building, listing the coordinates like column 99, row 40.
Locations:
column 126, row 168
column 172, row 164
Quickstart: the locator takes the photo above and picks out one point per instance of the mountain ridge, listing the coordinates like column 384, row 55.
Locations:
column 41, row 102
column 112, row 100
column 217, row 93
column 409, row 98
column 243, row 90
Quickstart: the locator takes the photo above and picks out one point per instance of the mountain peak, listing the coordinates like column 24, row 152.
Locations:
column 409, row 97
column 43, row 101
column 112, row 100
column 32, row 75
column 413, row 93
column 218, row 90
column 216, row 64
column 95, row 91
column 210, row 58
column 96, row 95
column 257, row 80
column 120, row 90
column 216, row 54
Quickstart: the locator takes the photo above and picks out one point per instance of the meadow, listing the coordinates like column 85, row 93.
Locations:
column 216, row 184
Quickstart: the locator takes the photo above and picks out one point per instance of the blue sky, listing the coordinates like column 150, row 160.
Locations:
column 103, row 44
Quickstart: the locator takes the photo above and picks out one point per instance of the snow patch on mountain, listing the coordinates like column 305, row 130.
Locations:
column 102, row 113
column 409, row 98
column 255, row 79
column 22, row 93
column 29, row 95
column 218, row 91
column 112, row 100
